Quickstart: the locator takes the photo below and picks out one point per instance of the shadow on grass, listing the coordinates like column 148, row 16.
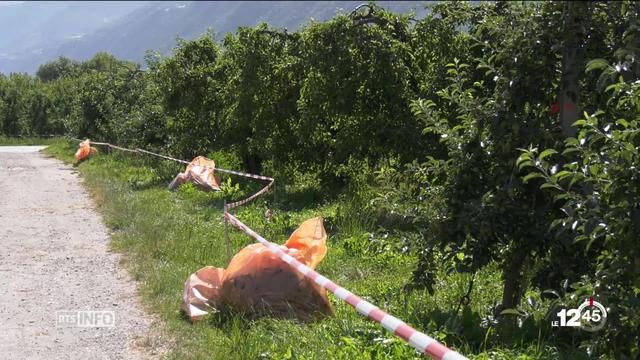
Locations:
column 483, row 332
column 228, row 317
column 145, row 185
column 305, row 198
column 223, row 319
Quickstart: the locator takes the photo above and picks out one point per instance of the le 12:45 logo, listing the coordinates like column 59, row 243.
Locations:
column 589, row 316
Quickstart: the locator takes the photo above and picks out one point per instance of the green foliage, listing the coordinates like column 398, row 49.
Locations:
column 260, row 124
column 57, row 69
column 595, row 183
column 188, row 82
column 358, row 79
column 226, row 159
column 407, row 135
column 471, row 204
column 467, row 198
column 26, row 105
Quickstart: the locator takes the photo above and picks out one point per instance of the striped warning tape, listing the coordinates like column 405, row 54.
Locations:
column 122, row 149
column 239, row 173
column 244, row 201
column 420, row 341
column 233, row 172
column 162, row 156
column 252, row 176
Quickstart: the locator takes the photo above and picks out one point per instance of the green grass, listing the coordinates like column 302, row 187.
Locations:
column 165, row 236
column 32, row 140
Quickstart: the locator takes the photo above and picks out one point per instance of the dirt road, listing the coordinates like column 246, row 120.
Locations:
column 54, row 262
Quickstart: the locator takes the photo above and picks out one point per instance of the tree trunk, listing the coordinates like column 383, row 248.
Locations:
column 512, row 277
column 572, row 65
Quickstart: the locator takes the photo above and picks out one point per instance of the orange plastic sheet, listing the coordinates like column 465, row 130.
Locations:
column 200, row 172
column 85, row 150
column 258, row 282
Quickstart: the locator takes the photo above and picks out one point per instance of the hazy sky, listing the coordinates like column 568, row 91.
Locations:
column 8, row 3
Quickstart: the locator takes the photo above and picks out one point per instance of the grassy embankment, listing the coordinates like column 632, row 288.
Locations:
column 166, row 235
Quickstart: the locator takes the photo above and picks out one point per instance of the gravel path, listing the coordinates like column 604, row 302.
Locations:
column 54, row 261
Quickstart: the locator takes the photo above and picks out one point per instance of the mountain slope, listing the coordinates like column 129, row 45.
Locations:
column 156, row 25
column 28, row 28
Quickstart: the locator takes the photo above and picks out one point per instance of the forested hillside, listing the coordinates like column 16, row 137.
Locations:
column 497, row 136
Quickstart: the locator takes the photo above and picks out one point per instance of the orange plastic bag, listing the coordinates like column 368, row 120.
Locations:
column 257, row 281
column 200, row 172
column 85, row 150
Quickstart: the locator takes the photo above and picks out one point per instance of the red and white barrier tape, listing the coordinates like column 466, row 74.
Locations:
column 420, row 341
column 244, row 201
column 239, row 173
column 162, row 156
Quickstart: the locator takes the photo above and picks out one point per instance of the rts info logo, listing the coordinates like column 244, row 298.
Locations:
column 589, row 316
